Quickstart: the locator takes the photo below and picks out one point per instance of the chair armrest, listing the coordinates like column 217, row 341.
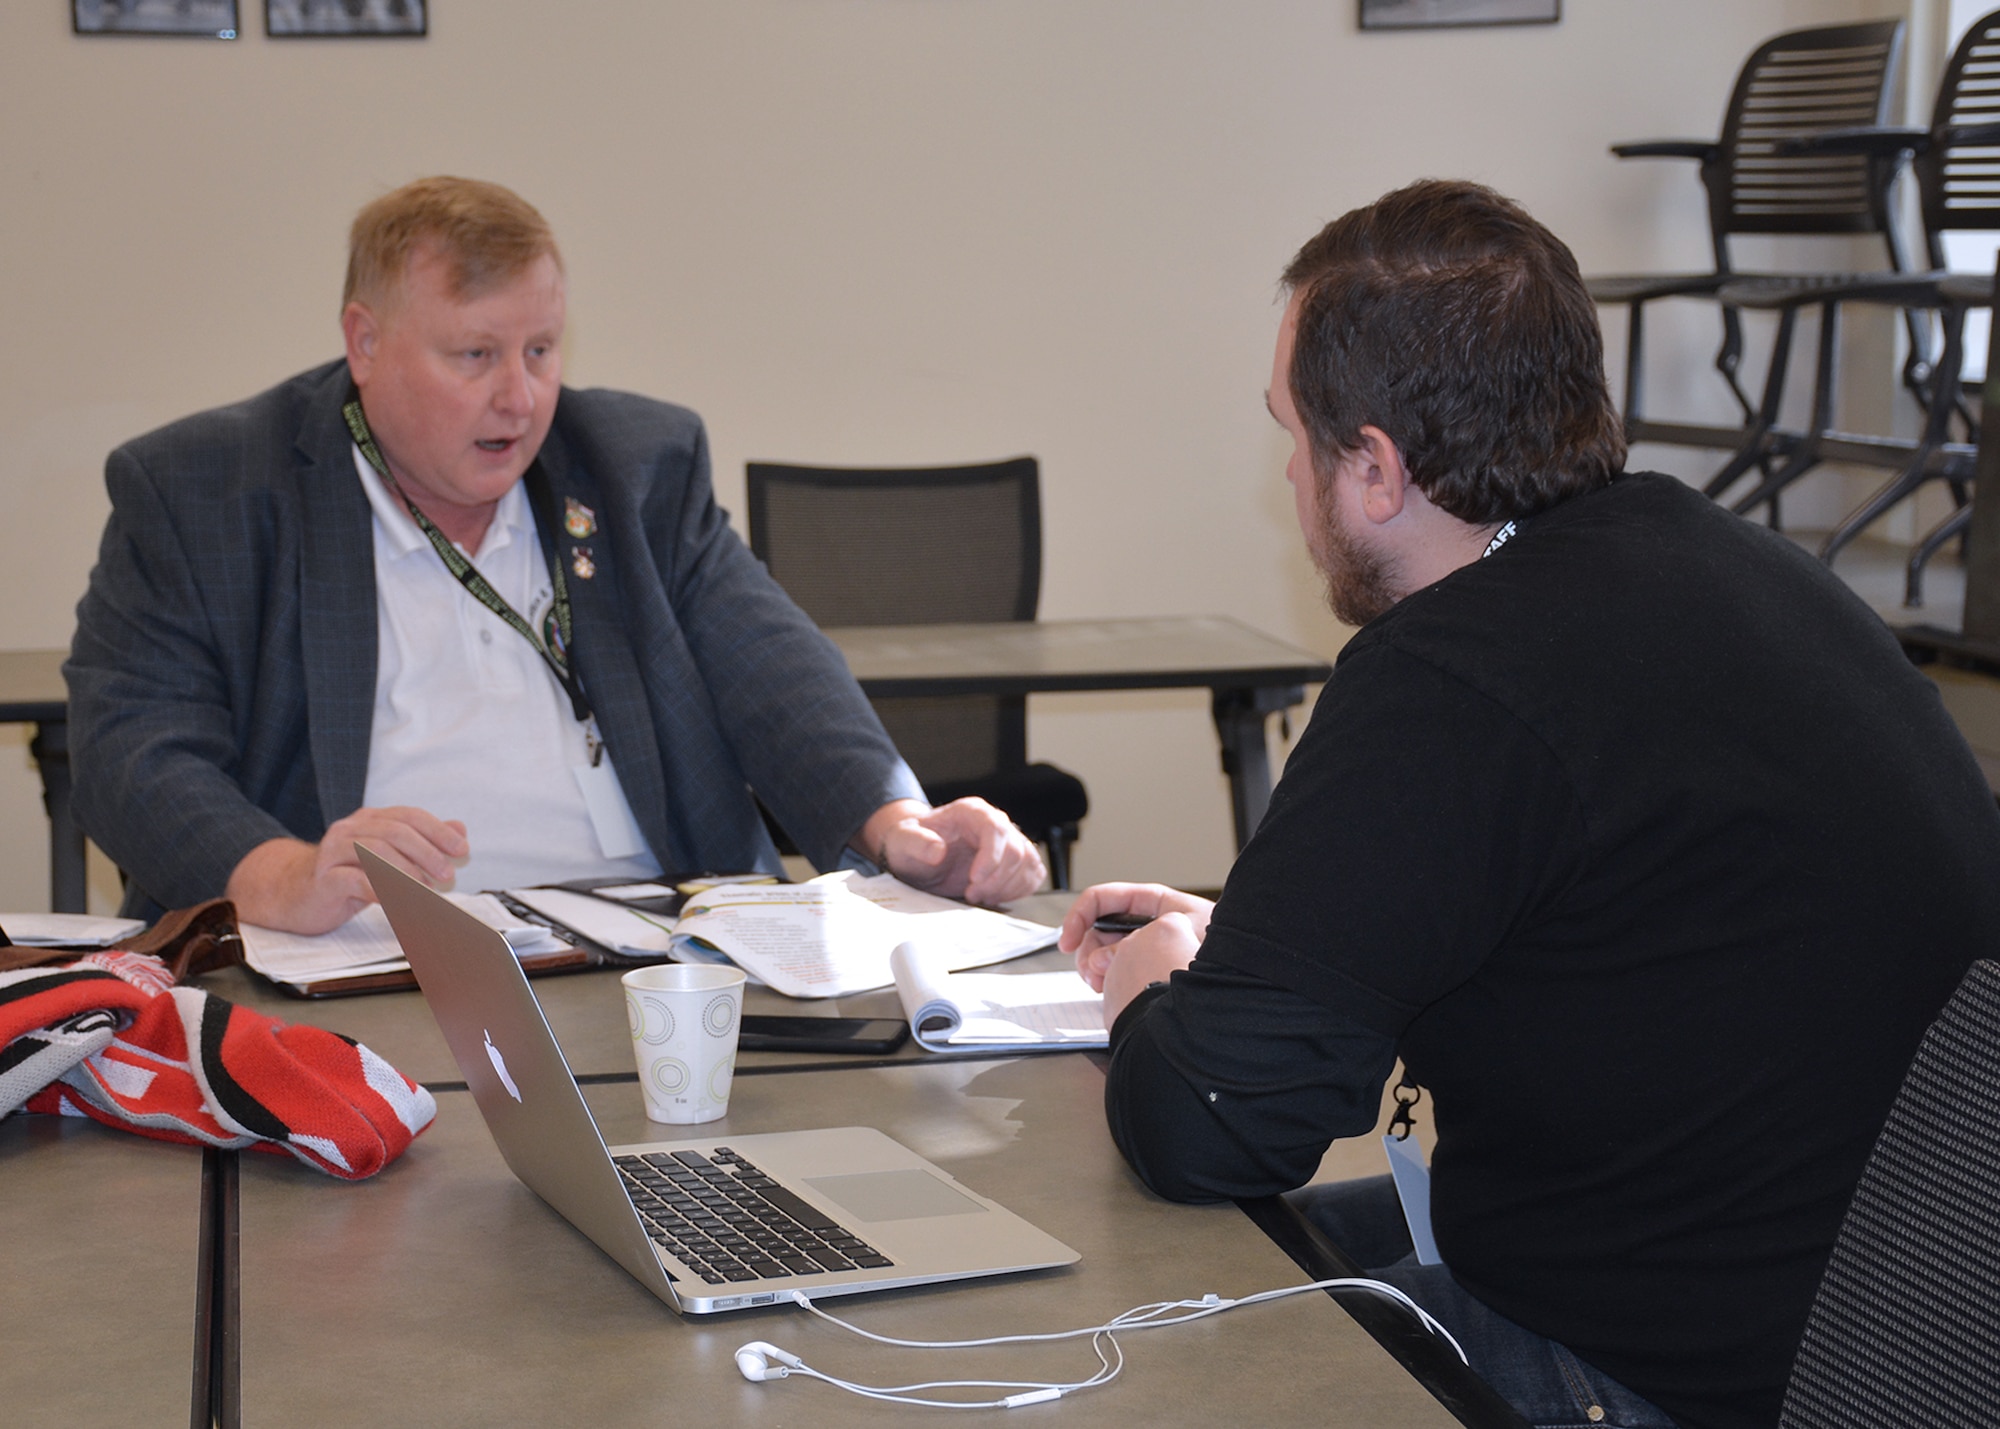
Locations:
column 1703, row 149
column 1971, row 135
column 1873, row 141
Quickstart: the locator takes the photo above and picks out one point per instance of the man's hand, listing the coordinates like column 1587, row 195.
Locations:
column 1123, row 966
column 297, row 887
column 967, row 849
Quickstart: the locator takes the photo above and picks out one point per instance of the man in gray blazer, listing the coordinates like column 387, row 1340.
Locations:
column 290, row 643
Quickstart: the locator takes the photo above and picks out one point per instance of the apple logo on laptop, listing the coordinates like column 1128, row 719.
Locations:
column 500, row 1066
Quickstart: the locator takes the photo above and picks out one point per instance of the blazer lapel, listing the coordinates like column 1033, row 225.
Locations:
column 337, row 603
column 604, row 655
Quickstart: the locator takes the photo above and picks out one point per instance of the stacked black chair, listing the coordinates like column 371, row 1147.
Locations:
column 929, row 546
column 1956, row 162
column 1905, row 1327
column 1794, row 85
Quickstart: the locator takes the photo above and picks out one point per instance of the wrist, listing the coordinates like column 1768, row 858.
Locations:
column 268, row 881
column 872, row 842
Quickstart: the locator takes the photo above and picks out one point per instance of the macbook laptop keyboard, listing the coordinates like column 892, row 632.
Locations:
column 725, row 1220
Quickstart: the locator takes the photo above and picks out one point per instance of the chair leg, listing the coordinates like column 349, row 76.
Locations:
column 1913, row 574
column 1756, row 449
column 1806, row 455
column 1730, row 355
column 1635, row 376
column 1937, row 426
column 1894, row 490
column 1057, row 840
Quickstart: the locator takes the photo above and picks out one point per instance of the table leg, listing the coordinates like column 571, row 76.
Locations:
column 1239, row 723
column 50, row 747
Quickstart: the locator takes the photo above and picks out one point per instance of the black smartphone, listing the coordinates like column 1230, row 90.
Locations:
column 822, row 1034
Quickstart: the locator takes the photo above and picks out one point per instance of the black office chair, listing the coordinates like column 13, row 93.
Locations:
column 928, row 546
column 1799, row 83
column 1905, row 1327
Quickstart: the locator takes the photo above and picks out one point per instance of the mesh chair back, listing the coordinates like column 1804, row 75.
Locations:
column 1797, row 84
column 1959, row 184
column 1905, row 1328
column 934, row 546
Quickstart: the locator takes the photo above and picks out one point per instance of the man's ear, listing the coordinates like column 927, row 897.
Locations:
column 363, row 332
column 1385, row 481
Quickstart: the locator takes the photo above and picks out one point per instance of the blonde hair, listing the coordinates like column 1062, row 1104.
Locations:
column 487, row 234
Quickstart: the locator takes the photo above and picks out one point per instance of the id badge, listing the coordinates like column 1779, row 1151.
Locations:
column 1413, row 1189
column 618, row 834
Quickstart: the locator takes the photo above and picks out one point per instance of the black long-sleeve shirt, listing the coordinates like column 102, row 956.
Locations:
column 1647, row 850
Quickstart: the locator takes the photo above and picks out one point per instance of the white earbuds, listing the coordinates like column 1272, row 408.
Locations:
column 753, row 1362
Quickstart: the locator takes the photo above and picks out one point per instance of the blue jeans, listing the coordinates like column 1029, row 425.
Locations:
column 1545, row 1381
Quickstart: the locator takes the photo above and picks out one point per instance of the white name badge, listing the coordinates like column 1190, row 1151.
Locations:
column 618, row 834
column 1413, row 1189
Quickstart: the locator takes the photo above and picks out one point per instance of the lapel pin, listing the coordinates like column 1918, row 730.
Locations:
column 579, row 520
column 582, row 564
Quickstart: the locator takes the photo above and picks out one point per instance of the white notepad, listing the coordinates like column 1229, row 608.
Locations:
column 973, row 1012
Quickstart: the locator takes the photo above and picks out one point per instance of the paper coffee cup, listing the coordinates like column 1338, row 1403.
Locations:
column 684, row 1019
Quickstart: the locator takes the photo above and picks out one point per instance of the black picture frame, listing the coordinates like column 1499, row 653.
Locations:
column 190, row 19
column 346, row 19
column 1456, row 14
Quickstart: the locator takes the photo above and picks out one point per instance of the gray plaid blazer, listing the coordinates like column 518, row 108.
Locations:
column 222, row 677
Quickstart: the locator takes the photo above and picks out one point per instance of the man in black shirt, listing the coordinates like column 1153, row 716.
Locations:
column 1621, row 822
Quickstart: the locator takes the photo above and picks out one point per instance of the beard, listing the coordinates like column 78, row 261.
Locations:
column 1359, row 581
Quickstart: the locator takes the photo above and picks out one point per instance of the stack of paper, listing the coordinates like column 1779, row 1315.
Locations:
column 66, row 930
column 978, row 1012
column 834, row 935
column 623, row 930
column 364, row 946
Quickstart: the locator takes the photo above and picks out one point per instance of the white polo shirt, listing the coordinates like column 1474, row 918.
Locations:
column 470, row 723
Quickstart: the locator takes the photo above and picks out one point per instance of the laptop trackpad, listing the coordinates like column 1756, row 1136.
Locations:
column 894, row 1195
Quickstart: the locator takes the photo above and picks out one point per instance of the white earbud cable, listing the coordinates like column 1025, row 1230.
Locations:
column 1103, row 1338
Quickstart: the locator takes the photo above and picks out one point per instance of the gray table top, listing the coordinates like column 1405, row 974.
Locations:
column 585, row 1010
column 443, row 1292
column 1157, row 652
column 99, row 1234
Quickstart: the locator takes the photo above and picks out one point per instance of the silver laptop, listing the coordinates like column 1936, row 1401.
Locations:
column 719, row 1223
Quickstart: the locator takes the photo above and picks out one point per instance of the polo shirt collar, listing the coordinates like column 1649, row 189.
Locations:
column 511, row 518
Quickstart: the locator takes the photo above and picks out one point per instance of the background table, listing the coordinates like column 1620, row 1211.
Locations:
column 444, row 1293
column 32, row 692
column 1249, row 675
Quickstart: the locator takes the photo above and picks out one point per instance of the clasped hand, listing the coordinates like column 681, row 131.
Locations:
column 1123, row 966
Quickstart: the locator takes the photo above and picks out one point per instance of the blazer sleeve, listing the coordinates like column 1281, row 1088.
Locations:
column 807, row 739
column 153, row 744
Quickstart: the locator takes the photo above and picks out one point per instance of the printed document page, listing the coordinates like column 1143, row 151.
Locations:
column 833, row 935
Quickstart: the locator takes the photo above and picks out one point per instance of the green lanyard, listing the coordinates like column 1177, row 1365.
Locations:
column 555, row 653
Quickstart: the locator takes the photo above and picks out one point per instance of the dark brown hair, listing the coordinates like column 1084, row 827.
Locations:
column 1446, row 316
column 487, row 234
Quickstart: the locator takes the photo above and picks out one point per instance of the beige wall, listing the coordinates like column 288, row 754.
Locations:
column 844, row 231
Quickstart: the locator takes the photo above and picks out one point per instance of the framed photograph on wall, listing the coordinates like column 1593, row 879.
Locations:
column 204, row 19
column 1445, row 14
column 309, row 19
